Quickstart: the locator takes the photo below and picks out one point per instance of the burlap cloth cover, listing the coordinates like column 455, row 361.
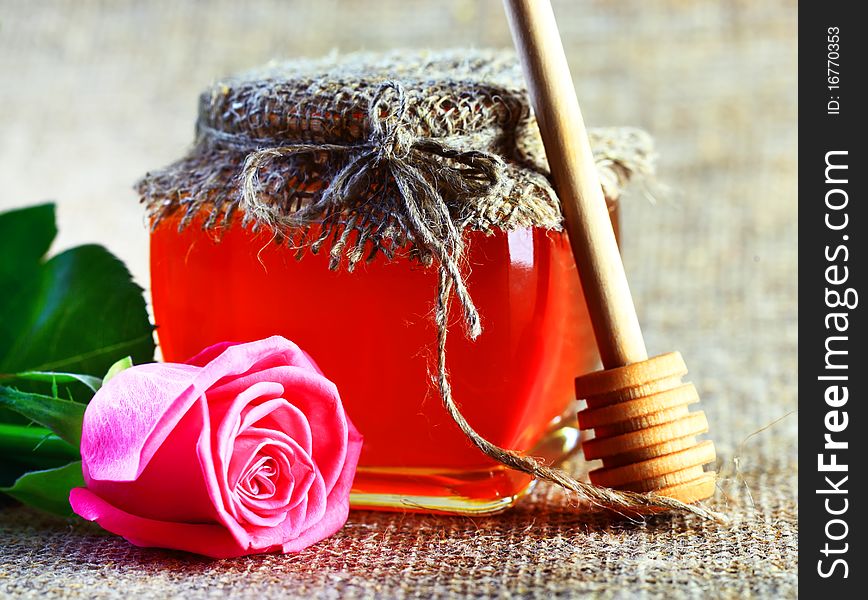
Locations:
column 347, row 143
column 712, row 266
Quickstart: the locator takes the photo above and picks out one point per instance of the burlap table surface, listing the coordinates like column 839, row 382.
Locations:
column 96, row 93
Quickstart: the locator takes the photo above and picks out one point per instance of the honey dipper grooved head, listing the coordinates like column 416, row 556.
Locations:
column 644, row 433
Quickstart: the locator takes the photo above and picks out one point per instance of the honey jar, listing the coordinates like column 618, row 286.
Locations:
column 252, row 237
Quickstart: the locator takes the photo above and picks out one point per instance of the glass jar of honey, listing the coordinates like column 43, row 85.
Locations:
column 219, row 272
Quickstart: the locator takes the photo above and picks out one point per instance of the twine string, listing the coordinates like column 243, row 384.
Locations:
column 629, row 504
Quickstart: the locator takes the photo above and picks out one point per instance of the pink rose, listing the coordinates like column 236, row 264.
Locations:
column 245, row 449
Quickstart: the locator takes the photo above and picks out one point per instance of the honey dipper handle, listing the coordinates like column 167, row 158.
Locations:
column 604, row 282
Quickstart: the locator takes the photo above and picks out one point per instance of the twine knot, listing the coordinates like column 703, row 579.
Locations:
column 426, row 173
column 388, row 124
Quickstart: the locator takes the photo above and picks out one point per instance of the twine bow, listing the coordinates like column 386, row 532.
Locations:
column 426, row 173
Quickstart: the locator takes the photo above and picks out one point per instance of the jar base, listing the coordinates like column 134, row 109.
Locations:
column 484, row 491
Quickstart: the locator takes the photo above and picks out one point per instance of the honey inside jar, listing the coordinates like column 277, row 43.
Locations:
column 372, row 333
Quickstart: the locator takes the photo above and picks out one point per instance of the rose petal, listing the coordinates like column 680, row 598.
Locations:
column 140, row 403
column 270, row 505
column 212, row 540
column 129, row 418
column 312, row 509
column 226, row 412
column 282, row 416
column 226, row 409
column 173, row 472
column 247, row 459
column 210, row 353
column 314, row 396
column 338, row 501
column 222, row 503
column 231, row 405
column 275, row 350
column 318, row 400
column 302, row 469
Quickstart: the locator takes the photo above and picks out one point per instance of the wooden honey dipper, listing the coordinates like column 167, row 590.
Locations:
column 637, row 406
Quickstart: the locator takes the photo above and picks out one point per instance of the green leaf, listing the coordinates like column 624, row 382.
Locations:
column 82, row 312
column 34, row 444
column 28, row 447
column 49, row 489
column 93, row 383
column 74, row 313
column 25, row 236
column 63, row 417
column 121, row 365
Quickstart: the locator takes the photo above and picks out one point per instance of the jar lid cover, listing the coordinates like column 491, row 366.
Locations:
column 327, row 100
column 360, row 143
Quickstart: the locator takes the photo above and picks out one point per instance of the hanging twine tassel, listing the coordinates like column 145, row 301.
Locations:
column 628, row 503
